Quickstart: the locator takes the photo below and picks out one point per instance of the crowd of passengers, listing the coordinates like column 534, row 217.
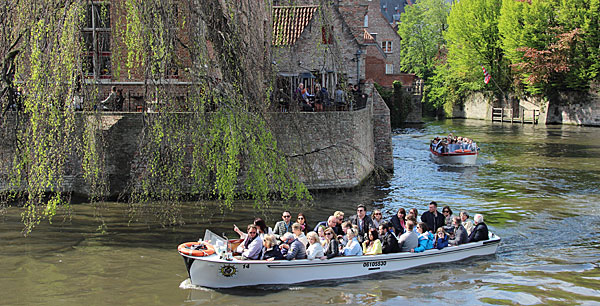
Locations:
column 453, row 143
column 360, row 235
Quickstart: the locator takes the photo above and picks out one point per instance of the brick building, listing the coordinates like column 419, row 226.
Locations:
column 107, row 56
column 313, row 44
column 380, row 39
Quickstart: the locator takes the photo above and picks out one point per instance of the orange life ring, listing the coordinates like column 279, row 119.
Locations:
column 189, row 248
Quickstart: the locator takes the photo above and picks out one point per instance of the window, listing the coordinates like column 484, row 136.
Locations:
column 389, row 68
column 386, row 46
column 366, row 25
column 97, row 37
column 327, row 35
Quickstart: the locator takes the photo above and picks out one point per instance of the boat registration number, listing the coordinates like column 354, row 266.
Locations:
column 369, row 264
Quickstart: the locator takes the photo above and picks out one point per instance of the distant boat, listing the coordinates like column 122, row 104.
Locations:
column 214, row 270
column 456, row 157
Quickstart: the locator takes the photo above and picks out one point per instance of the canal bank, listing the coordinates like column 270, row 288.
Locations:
column 325, row 150
column 570, row 108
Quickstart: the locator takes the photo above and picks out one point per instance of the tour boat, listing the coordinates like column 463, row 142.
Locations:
column 456, row 157
column 217, row 269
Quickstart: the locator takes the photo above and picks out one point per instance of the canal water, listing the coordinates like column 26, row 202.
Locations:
column 537, row 186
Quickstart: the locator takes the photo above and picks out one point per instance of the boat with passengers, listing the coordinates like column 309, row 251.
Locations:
column 210, row 263
column 454, row 151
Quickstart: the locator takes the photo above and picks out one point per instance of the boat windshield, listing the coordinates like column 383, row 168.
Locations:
column 213, row 238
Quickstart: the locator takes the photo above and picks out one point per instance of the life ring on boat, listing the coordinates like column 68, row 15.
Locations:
column 198, row 249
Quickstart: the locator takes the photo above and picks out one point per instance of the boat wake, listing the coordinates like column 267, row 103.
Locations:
column 187, row 284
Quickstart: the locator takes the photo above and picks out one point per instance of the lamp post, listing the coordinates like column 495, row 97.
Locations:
column 358, row 54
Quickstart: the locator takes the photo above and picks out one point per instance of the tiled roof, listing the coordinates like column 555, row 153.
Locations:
column 289, row 23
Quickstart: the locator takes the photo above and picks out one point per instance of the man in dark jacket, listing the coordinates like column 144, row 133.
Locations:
column 389, row 243
column 480, row 232
column 295, row 248
column 460, row 233
column 433, row 218
column 364, row 223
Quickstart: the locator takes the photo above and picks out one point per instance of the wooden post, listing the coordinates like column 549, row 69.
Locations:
column 511, row 116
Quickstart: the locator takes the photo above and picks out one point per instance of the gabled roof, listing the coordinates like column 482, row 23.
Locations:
column 367, row 37
column 289, row 23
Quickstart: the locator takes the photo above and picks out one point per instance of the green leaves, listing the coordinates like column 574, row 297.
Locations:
column 421, row 29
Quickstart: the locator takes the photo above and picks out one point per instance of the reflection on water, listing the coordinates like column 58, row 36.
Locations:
column 537, row 187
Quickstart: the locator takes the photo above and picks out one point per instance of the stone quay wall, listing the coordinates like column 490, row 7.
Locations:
column 327, row 150
column 573, row 108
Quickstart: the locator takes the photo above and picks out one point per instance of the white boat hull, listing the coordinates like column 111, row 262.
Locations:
column 213, row 272
column 455, row 158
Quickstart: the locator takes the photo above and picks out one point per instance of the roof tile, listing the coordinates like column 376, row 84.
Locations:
column 289, row 23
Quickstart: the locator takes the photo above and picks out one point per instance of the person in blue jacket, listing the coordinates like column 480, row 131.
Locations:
column 426, row 238
column 441, row 239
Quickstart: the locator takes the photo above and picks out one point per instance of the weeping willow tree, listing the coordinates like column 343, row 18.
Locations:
column 42, row 51
column 219, row 148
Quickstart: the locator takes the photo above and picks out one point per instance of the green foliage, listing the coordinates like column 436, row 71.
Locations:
column 473, row 40
column 544, row 44
column 421, row 29
column 536, row 47
column 48, row 79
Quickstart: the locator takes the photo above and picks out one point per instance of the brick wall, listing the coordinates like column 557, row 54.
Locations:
column 382, row 132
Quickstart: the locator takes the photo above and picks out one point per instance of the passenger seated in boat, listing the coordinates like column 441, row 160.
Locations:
column 425, row 238
column 283, row 226
column 468, row 224
column 343, row 239
column 459, row 233
column 389, row 243
column 353, row 247
column 294, row 249
column 413, row 219
column 414, row 212
column 363, row 222
column 261, row 226
column 340, row 220
column 270, row 249
column 447, row 212
column 297, row 231
column 480, row 232
column 321, row 234
column 433, row 217
column 331, row 222
column 441, row 239
column 315, row 250
column 398, row 222
column 377, row 218
column 301, row 219
column 251, row 247
column 372, row 246
column 409, row 240
column 332, row 248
